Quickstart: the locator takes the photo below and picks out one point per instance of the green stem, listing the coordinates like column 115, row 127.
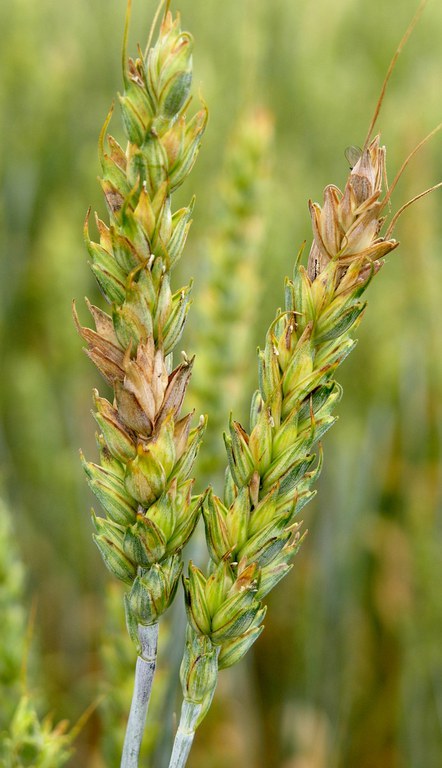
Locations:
column 185, row 733
column 144, row 672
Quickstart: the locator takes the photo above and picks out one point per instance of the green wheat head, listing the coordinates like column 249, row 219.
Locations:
column 147, row 447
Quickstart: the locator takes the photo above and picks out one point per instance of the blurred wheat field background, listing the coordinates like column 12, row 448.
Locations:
column 348, row 673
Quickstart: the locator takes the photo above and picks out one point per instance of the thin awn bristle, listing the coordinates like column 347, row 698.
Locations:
column 407, row 160
column 125, row 38
column 155, row 22
column 407, row 205
column 391, row 67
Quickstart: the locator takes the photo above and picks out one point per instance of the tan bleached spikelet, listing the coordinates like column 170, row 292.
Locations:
column 347, row 226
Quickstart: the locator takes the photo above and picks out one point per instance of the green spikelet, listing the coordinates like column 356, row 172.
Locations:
column 147, row 447
column 252, row 533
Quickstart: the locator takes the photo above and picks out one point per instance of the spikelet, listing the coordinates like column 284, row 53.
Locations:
column 147, row 447
column 252, row 533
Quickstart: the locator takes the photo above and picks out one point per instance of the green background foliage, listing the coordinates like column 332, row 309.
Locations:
column 348, row 671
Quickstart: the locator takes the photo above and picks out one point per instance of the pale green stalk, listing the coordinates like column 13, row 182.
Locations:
column 116, row 654
column 185, row 734
column 199, row 674
column 144, row 672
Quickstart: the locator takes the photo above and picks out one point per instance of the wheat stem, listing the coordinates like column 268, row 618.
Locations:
column 185, row 734
column 144, row 673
